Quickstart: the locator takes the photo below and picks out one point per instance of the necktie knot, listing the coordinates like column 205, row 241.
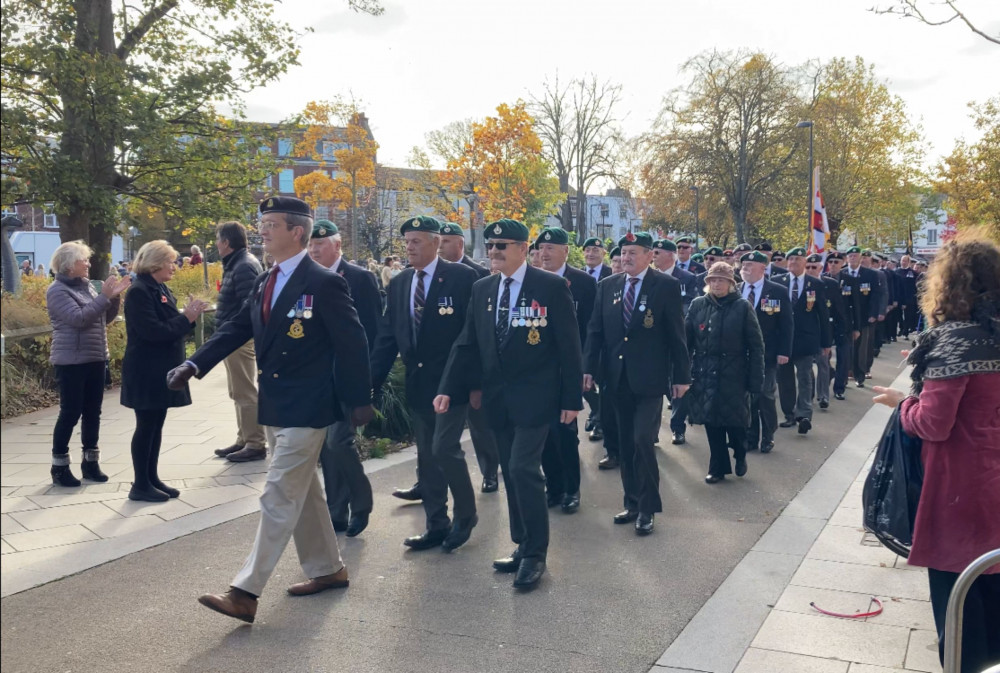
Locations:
column 507, row 282
column 421, row 273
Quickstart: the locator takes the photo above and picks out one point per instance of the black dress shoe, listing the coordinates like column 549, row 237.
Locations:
column 839, row 396
column 427, row 540
column 767, row 447
column 222, row 453
column 554, row 499
column 590, row 424
column 608, row 463
column 644, row 524
column 571, row 503
column 824, row 404
column 712, row 479
column 147, row 494
column 339, row 526
column 596, row 435
column 787, row 423
column 528, row 573
column 357, row 524
column 509, row 564
column 860, row 384
column 461, row 530
column 412, row 493
column 628, row 516
column 741, row 467
column 678, row 438
column 490, row 485
column 805, row 425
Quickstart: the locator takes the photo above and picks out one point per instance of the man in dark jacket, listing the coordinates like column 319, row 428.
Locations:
column 841, row 325
column 774, row 314
column 239, row 270
column 868, row 307
column 424, row 315
column 685, row 249
column 907, row 296
column 850, row 296
column 593, row 257
column 348, row 491
column 561, row 459
column 636, row 340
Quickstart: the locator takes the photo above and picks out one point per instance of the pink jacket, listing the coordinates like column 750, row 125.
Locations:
column 958, row 518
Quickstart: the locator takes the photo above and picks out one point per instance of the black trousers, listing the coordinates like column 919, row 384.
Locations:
column 521, row 461
column 678, row 415
column 593, row 398
column 348, row 490
column 483, row 442
column 146, row 446
column 561, row 458
column 845, row 360
column 81, row 392
column 441, row 465
column 863, row 353
column 638, row 418
column 720, row 438
column 763, row 409
column 981, row 618
column 609, row 423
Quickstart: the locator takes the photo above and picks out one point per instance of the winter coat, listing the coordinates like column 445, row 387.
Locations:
column 79, row 316
column 155, row 332
column 239, row 270
column 727, row 350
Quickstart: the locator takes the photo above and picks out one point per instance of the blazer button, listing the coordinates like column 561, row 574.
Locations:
column 259, row 372
column 626, row 338
column 420, row 364
column 621, row 357
column 276, row 375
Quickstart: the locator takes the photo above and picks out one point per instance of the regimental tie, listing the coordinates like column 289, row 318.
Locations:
column 752, row 297
column 503, row 311
column 272, row 278
column 419, row 296
column 795, row 289
column 629, row 302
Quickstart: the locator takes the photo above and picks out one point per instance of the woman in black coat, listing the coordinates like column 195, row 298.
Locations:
column 727, row 350
column 156, row 332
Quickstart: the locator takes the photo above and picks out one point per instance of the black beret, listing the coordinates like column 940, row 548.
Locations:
column 742, row 247
column 285, row 204
column 814, row 259
column 553, row 235
column 508, row 229
column 763, row 247
column 615, row 252
column 421, row 223
column 778, row 256
column 665, row 244
column 835, row 255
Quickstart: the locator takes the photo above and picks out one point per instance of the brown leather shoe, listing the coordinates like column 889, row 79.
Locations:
column 337, row 580
column 247, row 454
column 234, row 603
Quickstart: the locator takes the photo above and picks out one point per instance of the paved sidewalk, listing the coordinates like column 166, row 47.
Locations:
column 760, row 619
column 48, row 532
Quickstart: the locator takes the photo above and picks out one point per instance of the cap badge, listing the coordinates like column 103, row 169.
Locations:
column 548, row 236
column 498, row 230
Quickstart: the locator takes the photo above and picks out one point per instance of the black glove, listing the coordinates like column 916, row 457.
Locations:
column 178, row 377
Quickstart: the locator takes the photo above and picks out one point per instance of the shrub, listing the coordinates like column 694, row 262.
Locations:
column 392, row 420
column 190, row 281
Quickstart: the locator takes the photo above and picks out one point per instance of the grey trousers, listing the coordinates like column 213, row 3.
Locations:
column 344, row 477
column 441, row 465
column 763, row 410
column 795, row 387
column 823, row 376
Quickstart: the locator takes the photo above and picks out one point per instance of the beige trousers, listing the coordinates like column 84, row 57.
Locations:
column 292, row 505
column 241, row 372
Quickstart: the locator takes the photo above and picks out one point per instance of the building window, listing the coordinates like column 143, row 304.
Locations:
column 286, row 181
column 8, row 211
column 932, row 237
column 328, row 148
column 605, row 210
column 322, row 212
column 623, row 212
column 284, row 147
column 50, row 221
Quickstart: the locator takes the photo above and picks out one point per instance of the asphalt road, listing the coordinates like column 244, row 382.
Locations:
column 611, row 601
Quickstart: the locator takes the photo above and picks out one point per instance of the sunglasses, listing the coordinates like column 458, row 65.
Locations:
column 498, row 246
column 683, row 247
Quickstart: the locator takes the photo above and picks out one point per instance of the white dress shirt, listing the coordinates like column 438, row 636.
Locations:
column 791, row 283
column 429, row 270
column 595, row 272
column 561, row 271
column 758, row 287
column 515, row 287
column 285, row 271
column 336, row 265
column 638, row 286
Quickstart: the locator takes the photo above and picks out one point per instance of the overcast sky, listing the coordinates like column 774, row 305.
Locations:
column 425, row 63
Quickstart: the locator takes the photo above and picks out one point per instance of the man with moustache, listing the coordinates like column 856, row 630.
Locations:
column 561, row 458
column 636, row 340
column 348, row 491
column 849, row 294
column 519, row 355
column 868, row 307
column 425, row 313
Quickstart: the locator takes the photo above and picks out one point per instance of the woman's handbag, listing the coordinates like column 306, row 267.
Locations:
column 892, row 488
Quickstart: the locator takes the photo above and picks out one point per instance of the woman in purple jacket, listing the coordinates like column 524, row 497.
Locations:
column 79, row 352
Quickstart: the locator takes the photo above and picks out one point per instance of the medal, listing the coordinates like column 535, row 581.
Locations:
column 291, row 313
column 647, row 322
column 642, row 304
column 534, row 338
column 442, row 311
column 296, row 331
column 308, row 312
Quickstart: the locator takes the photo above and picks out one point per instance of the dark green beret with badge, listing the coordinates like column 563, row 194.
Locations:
column 665, row 244
column 421, row 223
column 853, row 250
column 508, row 229
column 796, row 252
column 741, row 248
column 553, row 235
column 835, row 255
column 324, row 229
column 814, row 259
column 763, row 247
column 615, row 252
column 285, row 204
column 643, row 238
column 593, row 241
column 685, row 239
column 714, row 251
column 698, row 257
column 866, row 253
column 450, row 229
column 778, row 256
column 755, row 256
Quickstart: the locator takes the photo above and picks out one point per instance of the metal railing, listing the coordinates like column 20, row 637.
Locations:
column 955, row 612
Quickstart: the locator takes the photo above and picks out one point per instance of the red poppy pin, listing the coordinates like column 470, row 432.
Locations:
column 702, row 327
column 163, row 299
column 630, row 237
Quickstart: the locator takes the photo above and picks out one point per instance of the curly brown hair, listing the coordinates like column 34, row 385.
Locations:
column 963, row 280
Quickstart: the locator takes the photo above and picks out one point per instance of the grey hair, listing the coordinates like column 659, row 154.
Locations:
column 293, row 220
column 68, row 254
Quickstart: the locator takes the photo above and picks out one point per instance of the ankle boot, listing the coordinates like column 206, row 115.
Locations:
column 61, row 474
column 91, row 467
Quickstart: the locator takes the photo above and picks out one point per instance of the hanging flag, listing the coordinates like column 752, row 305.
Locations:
column 820, row 225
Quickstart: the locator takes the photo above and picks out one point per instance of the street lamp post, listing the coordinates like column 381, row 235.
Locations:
column 697, row 234
column 809, row 197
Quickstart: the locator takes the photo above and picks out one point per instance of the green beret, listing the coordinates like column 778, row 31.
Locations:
column 796, row 252
column 715, row 251
column 508, row 229
column 285, row 204
column 742, row 247
column 763, row 247
column 534, row 245
column 866, row 253
column 853, row 250
column 616, row 252
column 324, row 229
column 553, row 235
column 665, row 244
column 698, row 257
column 643, row 238
column 755, row 256
column 593, row 241
column 814, row 259
column 777, row 256
column 451, row 229
column 835, row 255
column 421, row 223
column 685, row 239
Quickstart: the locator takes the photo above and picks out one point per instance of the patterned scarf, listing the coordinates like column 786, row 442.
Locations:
column 958, row 348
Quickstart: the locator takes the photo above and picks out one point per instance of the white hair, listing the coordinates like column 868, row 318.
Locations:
column 68, row 254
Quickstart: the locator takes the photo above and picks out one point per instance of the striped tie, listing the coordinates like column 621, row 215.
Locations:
column 503, row 311
column 418, row 302
column 795, row 290
column 629, row 303
column 752, row 297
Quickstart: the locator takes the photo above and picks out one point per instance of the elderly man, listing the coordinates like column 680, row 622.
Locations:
column 593, row 259
column 348, row 491
column 866, row 289
column 685, row 249
column 849, row 295
column 312, row 364
column 239, row 270
column 518, row 353
column 841, row 325
column 636, row 339
column 561, row 459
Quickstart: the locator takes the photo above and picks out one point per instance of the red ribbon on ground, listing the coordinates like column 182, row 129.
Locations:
column 857, row 615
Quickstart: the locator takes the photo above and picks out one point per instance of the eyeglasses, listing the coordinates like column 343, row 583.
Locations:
column 499, row 246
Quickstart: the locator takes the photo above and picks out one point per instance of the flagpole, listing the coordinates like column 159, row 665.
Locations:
column 809, row 207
